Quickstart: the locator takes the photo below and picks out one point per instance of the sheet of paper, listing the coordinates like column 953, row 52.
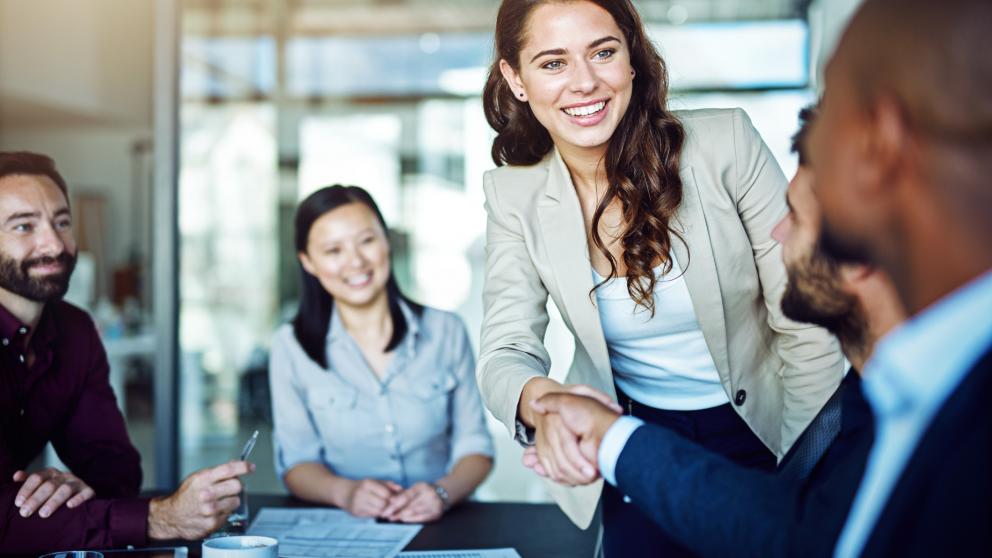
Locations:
column 486, row 553
column 329, row 533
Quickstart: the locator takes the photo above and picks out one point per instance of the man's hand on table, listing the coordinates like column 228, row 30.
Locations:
column 586, row 419
column 47, row 490
column 201, row 504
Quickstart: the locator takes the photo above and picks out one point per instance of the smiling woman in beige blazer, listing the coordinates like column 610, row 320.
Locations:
column 596, row 175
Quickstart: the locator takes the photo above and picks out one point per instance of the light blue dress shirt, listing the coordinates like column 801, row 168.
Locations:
column 411, row 425
column 911, row 374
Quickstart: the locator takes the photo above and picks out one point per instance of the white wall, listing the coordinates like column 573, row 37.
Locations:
column 76, row 84
column 91, row 57
column 827, row 20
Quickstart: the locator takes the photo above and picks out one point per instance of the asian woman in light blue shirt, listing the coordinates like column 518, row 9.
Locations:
column 374, row 397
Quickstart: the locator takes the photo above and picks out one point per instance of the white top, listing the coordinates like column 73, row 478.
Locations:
column 660, row 361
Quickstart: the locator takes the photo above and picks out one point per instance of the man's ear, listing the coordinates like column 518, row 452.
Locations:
column 854, row 274
column 886, row 142
column 512, row 78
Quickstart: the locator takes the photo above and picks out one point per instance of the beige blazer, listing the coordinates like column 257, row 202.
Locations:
column 734, row 194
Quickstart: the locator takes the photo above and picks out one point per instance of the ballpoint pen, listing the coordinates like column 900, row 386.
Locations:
column 249, row 445
column 239, row 517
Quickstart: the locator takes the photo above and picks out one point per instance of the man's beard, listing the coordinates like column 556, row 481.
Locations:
column 15, row 277
column 814, row 296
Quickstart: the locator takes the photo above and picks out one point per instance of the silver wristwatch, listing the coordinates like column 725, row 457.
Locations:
column 443, row 495
column 524, row 434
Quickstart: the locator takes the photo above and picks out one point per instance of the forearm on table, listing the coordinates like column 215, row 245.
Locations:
column 97, row 523
column 467, row 474
column 316, row 483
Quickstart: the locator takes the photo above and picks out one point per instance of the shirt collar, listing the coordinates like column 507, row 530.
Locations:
column 11, row 328
column 920, row 363
column 337, row 332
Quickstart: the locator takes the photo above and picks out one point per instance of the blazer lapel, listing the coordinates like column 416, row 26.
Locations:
column 568, row 254
column 699, row 266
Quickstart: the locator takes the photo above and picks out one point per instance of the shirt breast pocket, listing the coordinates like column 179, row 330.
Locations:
column 334, row 409
column 433, row 396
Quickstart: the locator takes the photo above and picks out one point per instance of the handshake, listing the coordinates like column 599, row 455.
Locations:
column 570, row 423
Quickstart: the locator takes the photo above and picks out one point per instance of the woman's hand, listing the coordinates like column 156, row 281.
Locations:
column 369, row 498
column 418, row 504
column 557, row 447
column 49, row 490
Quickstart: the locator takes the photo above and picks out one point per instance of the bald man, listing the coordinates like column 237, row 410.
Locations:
column 903, row 152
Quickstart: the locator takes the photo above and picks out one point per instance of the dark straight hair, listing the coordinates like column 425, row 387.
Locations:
column 313, row 318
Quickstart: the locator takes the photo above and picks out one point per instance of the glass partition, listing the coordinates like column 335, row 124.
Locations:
column 270, row 116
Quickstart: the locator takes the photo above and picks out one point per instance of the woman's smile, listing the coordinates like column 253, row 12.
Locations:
column 588, row 113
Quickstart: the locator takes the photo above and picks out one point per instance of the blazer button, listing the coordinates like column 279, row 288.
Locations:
column 740, row 398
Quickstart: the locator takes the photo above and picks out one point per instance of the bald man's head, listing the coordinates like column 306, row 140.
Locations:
column 933, row 57
column 933, row 61
column 902, row 148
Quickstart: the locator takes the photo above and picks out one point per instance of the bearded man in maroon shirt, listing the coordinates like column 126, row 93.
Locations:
column 54, row 387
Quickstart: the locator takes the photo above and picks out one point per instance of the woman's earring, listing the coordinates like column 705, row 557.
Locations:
column 521, row 95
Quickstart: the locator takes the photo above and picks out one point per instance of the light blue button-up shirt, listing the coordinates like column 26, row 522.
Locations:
column 411, row 425
column 911, row 374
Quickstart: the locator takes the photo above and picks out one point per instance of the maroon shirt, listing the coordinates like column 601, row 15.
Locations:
column 65, row 397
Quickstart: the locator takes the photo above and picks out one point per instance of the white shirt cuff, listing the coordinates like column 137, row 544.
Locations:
column 613, row 442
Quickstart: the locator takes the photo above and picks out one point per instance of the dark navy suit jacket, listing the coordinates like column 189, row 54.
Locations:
column 718, row 508
column 942, row 503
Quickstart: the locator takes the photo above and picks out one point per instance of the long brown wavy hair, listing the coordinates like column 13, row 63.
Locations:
column 642, row 158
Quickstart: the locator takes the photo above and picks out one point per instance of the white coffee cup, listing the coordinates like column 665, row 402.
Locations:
column 241, row 546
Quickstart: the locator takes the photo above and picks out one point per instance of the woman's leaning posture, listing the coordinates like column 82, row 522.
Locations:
column 650, row 231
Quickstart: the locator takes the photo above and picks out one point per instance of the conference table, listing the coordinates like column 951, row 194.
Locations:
column 534, row 530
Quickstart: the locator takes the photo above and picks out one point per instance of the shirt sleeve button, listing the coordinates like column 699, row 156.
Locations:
column 740, row 398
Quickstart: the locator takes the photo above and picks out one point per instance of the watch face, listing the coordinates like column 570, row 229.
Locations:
column 441, row 493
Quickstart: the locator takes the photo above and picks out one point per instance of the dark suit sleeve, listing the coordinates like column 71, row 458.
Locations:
column 94, row 443
column 708, row 503
column 95, row 524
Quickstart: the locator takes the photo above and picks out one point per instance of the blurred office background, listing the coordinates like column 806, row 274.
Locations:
column 189, row 130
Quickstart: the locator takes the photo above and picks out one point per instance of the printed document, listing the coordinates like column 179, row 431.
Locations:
column 487, row 553
column 330, row 533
